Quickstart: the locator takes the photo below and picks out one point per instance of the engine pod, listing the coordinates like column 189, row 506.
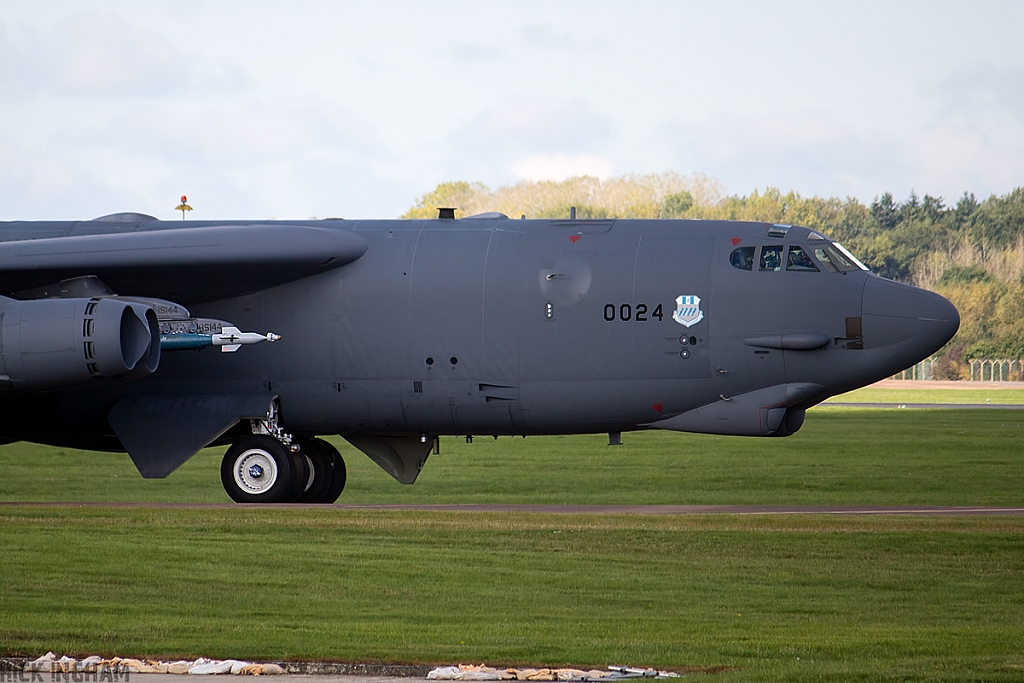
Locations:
column 54, row 343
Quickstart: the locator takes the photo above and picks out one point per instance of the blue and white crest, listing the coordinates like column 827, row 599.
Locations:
column 688, row 311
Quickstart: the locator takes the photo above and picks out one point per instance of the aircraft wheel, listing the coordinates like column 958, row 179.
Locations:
column 338, row 475
column 259, row 469
column 328, row 478
column 303, row 476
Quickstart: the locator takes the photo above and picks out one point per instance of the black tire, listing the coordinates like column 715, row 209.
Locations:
column 328, row 472
column 320, row 465
column 303, row 476
column 338, row 474
column 259, row 469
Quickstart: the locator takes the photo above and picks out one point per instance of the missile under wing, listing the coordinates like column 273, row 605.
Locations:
column 129, row 333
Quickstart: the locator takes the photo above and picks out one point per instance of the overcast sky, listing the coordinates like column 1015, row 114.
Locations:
column 299, row 109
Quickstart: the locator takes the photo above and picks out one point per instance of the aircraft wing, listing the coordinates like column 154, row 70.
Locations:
column 187, row 265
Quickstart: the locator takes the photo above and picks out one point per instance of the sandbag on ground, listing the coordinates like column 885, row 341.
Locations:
column 49, row 663
column 481, row 672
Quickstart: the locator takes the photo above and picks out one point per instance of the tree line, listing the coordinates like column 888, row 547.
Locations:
column 971, row 251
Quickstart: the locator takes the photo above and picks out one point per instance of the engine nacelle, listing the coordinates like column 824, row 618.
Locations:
column 53, row 343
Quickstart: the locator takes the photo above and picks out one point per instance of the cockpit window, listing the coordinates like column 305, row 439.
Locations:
column 840, row 260
column 799, row 260
column 825, row 261
column 771, row 257
column 742, row 258
column 834, row 258
column 850, row 256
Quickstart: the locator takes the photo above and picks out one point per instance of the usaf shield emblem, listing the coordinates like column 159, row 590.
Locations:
column 688, row 311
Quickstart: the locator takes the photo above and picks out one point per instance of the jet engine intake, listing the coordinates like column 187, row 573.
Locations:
column 55, row 343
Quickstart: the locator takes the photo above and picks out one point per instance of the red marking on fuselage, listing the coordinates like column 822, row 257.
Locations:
column 658, row 407
column 735, row 240
column 574, row 238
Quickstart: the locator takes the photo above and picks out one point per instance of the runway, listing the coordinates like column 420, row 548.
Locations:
column 921, row 510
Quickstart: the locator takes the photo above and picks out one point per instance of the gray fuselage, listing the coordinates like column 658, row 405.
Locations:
column 499, row 326
column 394, row 332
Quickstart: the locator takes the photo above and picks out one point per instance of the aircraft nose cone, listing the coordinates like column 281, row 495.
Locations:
column 914, row 322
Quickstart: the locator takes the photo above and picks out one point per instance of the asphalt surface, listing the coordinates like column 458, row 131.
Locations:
column 922, row 510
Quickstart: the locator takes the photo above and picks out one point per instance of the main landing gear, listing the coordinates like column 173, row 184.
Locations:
column 260, row 469
column 270, row 466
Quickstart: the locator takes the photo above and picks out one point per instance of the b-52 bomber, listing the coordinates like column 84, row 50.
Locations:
column 159, row 338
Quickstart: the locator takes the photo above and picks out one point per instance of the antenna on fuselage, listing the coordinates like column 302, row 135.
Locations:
column 183, row 207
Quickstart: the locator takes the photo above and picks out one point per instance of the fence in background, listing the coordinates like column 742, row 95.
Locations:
column 922, row 370
column 996, row 370
column 988, row 370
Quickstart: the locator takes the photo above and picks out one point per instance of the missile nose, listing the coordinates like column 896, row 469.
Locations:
column 914, row 322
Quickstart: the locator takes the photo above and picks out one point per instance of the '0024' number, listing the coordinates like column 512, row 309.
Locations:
column 625, row 313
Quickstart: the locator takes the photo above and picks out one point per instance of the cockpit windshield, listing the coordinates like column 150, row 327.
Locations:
column 837, row 259
column 849, row 255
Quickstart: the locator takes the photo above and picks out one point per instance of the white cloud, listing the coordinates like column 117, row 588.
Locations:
column 520, row 138
column 472, row 53
column 975, row 142
column 252, row 159
column 325, row 107
column 810, row 152
column 537, row 126
column 547, row 37
column 105, row 55
column 814, row 153
column 560, row 166
column 979, row 91
column 951, row 159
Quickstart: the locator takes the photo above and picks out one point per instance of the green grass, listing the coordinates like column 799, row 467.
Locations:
column 966, row 394
column 777, row 597
column 781, row 598
column 852, row 457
